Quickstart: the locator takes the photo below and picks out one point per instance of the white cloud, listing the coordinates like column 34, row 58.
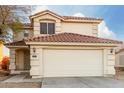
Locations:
column 105, row 32
column 79, row 15
column 39, row 9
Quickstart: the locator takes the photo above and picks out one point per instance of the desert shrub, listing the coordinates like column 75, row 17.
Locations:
column 5, row 63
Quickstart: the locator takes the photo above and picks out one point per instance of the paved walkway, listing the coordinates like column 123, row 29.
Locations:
column 16, row 78
column 20, row 78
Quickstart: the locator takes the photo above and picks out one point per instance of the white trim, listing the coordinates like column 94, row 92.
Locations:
column 63, row 43
column 47, row 28
column 17, row 46
column 43, row 13
column 83, row 21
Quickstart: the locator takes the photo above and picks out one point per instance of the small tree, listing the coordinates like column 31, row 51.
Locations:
column 13, row 17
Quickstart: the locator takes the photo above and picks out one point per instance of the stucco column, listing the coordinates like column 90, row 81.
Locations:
column 36, row 62
column 109, row 62
column 105, row 62
column 12, row 65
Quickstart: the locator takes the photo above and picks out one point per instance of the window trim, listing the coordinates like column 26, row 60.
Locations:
column 47, row 26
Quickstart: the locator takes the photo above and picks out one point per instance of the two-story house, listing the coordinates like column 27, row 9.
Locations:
column 62, row 46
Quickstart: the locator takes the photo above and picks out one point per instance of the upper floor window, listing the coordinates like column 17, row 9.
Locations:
column 26, row 34
column 47, row 28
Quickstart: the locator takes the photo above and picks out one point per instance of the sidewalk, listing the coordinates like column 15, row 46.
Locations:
column 21, row 78
column 20, row 81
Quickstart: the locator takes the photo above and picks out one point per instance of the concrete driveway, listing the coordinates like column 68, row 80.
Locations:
column 82, row 82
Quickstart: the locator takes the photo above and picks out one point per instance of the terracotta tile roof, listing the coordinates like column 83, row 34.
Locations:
column 81, row 18
column 71, row 37
column 17, row 43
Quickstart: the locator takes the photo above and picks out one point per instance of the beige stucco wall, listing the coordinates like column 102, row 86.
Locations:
column 61, row 26
column 37, row 65
column 110, row 62
column 12, row 65
column 80, row 28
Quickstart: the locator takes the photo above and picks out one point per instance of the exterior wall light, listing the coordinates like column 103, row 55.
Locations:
column 34, row 56
column 111, row 51
column 34, row 50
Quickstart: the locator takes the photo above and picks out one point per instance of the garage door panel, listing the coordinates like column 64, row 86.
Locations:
column 72, row 63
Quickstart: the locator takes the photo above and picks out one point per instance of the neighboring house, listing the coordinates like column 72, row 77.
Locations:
column 62, row 46
column 27, row 31
column 4, row 51
column 1, row 51
column 119, row 57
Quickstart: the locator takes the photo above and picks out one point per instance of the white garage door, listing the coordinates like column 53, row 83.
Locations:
column 68, row 63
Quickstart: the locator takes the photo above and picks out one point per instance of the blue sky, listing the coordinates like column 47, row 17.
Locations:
column 113, row 16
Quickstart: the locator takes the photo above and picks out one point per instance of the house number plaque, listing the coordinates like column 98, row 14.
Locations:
column 35, row 56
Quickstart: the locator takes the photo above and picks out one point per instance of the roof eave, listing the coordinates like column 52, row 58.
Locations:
column 45, row 12
column 73, row 43
column 84, row 21
column 12, row 46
